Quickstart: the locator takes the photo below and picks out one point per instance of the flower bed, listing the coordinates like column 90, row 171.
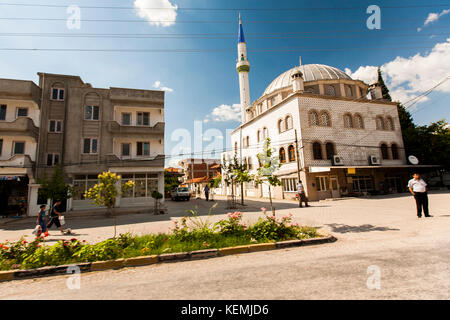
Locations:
column 190, row 234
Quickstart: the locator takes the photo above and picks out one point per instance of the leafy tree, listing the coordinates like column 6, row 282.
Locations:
column 105, row 192
column 55, row 187
column 384, row 89
column 269, row 164
column 236, row 172
column 170, row 182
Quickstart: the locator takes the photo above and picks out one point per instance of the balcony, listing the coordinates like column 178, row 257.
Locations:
column 19, row 127
column 114, row 160
column 151, row 98
column 17, row 161
column 19, row 90
column 138, row 131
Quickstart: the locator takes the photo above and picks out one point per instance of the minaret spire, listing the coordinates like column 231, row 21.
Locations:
column 243, row 67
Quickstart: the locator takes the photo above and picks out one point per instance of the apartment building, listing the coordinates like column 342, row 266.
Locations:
column 90, row 130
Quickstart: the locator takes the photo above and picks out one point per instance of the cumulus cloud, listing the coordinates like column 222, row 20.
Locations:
column 432, row 17
column 407, row 77
column 158, row 85
column 157, row 12
column 224, row 113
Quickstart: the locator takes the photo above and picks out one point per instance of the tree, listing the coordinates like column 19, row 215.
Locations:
column 170, row 182
column 105, row 192
column 235, row 172
column 384, row 89
column 55, row 187
column 269, row 164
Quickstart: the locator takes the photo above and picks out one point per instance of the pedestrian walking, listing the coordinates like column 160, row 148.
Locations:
column 418, row 188
column 42, row 221
column 302, row 195
column 206, row 191
column 55, row 214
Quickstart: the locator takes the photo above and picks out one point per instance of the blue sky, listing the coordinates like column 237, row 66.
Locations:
column 413, row 59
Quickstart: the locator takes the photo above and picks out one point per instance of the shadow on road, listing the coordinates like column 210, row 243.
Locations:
column 343, row 228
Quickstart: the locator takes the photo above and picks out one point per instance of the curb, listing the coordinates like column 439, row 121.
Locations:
column 162, row 258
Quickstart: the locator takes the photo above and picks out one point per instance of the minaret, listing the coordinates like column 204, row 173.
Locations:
column 243, row 67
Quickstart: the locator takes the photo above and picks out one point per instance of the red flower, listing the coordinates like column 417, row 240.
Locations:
column 24, row 241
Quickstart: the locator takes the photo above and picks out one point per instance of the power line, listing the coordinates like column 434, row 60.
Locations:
column 224, row 9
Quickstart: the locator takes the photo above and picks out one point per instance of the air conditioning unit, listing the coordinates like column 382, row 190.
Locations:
column 337, row 161
column 374, row 160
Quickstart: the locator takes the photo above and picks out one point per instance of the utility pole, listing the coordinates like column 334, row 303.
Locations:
column 298, row 163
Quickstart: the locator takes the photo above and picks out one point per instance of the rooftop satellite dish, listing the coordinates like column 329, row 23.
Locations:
column 413, row 160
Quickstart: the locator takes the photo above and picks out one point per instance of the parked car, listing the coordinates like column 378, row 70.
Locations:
column 180, row 193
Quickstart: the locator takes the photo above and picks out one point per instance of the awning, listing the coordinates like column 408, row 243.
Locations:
column 11, row 178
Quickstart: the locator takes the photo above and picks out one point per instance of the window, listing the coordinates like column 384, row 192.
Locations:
column 55, row 126
column 272, row 101
column 22, row 112
column 282, row 155
column 325, row 118
column 348, row 91
column 317, row 151
column 126, row 149
column 90, row 145
column 235, row 147
column 329, row 147
column 143, row 118
column 249, row 163
column 348, row 121
column 265, row 133
column 291, row 153
column 3, row 112
column 394, row 149
column 143, row 149
column 126, row 119
column 322, row 183
column 362, row 183
column 1, row 146
column 359, row 124
column 281, row 127
column 289, row 185
column 52, row 159
column 19, row 147
column 380, row 123
column 92, row 113
column 331, row 91
column 384, row 151
column 288, row 122
column 57, row 94
column 314, row 118
column 389, row 124
column 258, row 136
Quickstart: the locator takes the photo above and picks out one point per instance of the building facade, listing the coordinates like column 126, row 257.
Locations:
column 90, row 130
column 198, row 172
column 347, row 144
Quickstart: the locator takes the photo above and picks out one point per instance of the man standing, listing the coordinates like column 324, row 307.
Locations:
column 55, row 213
column 301, row 194
column 418, row 189
column 206, row 190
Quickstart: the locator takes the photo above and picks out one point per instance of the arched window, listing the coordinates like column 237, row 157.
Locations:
column 359, row 124
column 246, row 141
column 281, row 127
column 389, row 124
column 265, row 133
column 325, row 119
column 313, row 118
column 329, row 147
column 288, row 122
column 317, row 151
column 331, row 91
column 384, row 151
column 394, row 149
column 258, row 136
column 348, row 121
column 291, row 153
column 57, row 91
column 348, row 91
column 380, row 123
column 282, row 155
column 250, row 164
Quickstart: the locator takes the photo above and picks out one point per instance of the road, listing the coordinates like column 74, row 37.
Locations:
column 381, row 233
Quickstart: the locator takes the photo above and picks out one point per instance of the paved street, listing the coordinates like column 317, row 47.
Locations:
column 413, row 256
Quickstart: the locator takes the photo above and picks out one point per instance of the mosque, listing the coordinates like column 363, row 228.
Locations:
column 347, row 139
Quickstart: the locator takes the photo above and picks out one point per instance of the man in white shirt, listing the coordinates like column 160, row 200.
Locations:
column 301, row 194
column 418, row 189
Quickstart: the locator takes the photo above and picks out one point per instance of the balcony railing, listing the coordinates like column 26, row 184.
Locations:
column 117, row 128
column 19, row 127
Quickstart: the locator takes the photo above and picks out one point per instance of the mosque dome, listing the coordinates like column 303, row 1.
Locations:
column 311, row 72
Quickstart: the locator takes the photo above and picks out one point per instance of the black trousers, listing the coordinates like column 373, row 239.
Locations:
column 303, row 198
column 421, row 202
column 207, row 196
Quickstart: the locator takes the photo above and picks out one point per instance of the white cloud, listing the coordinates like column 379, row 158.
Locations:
column 224, row 113
column 432, row 17
column 408, row 77
column 157, row 12
column 158, row 85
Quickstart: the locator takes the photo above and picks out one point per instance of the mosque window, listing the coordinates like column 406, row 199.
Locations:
column 282, row 155
column 265, row 133
column 359, row 123
column 281, row 126
column 348, row 91
column 325, row 119
column 291, row 153
column 380, row 123
column 384, row 151
column 313, row 118
column 288, row 122
column 329, row 147
column 394, row 150
column 389, row 124
column 317, row 151
column 331, row 91
column 258, row 136
column 348, row 121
